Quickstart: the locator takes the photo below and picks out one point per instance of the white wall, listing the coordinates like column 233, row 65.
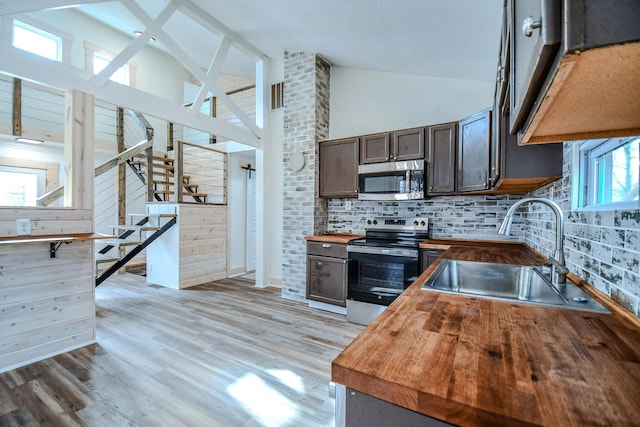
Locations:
column 365, row 101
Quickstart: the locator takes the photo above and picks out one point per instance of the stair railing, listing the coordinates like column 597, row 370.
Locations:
column 143, row 146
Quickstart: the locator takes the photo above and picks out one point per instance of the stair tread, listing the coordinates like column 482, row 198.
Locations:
column 172, row 183
column 155, row 215
column 185, row 194
column 100, row 258
column 121, row 242
column 135, row 227
column 169, row 174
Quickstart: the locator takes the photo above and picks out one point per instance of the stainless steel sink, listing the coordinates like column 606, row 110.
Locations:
column 508, row 282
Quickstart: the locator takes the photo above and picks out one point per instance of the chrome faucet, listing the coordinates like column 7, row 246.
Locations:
column 558, row 267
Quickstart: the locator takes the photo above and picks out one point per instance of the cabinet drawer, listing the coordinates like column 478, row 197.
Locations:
column 337, row 250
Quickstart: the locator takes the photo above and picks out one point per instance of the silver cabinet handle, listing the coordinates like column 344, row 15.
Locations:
column 528, row 25
column 326, row 245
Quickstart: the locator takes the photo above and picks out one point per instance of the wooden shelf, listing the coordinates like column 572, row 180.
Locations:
column 54, row 240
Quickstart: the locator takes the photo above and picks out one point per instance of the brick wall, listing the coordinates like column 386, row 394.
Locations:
column 306, row 121
column 602, row 247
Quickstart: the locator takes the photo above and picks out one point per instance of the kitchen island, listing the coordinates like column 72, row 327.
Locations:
column 475, row 361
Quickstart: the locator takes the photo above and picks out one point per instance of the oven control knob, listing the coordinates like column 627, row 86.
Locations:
column 375, row 221
column 415, row 223
column 422, row 223
column 369, row 221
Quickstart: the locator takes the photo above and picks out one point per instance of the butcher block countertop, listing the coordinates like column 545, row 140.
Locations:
column 334, row 237
column 473, row 361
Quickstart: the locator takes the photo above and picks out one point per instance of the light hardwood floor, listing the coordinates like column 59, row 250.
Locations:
column 220, row 354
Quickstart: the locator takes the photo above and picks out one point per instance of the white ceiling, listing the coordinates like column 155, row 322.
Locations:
column 442, row 38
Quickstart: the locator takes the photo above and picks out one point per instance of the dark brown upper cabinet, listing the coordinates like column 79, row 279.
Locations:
column 338, row 168
column 474, row 146
column 401, row 145
column 573, row 69
column 441, row 159
column 375, row 148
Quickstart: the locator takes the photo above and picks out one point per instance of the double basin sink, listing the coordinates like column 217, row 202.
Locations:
column 508, row 282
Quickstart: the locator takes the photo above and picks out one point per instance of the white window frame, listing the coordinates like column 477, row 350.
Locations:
column 584, row 174
column 65, row 39
column 90, row 51
column 41, row 176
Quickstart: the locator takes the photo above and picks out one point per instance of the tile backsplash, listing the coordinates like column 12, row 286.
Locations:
column 468, row 217
column 602, row 247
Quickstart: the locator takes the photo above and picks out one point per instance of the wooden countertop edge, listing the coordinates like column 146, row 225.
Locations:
column 333, row 237
column 445, row 409
column 439, row 408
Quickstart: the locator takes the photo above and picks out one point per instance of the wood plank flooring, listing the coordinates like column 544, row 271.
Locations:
column 220, row 354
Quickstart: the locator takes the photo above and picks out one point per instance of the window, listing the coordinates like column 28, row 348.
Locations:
column 608, row 174
column 100, row 61
column 21, row 186
column 37, row 41
column 97, row 58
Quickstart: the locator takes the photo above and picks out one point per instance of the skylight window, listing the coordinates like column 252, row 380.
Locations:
column 37, row 41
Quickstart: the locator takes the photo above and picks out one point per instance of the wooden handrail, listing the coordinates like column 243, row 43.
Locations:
column 54, row 195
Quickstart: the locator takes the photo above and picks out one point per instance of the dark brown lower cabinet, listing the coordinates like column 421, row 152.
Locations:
column 363, row 410
column 327, row 272
column 428, row 257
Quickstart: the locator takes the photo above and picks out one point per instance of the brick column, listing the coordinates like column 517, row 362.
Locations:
column 306, row 121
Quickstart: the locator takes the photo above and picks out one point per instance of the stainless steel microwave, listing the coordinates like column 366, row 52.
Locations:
column 391, row 181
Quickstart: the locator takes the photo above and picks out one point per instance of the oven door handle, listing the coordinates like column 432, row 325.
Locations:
column 374, row 250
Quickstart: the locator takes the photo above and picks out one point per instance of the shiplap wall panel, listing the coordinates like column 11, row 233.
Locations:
column 47, row 221
column 197, row 249
column 48, row 304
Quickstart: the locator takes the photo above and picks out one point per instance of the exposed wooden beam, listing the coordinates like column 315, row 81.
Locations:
column 193, row 67
column 214, row 71
column 212, row 24
column 134, row 47
column 17, row 107
column 122, row 172
column 19, row 63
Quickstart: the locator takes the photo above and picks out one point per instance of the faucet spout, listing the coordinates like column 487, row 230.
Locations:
column 558, row 254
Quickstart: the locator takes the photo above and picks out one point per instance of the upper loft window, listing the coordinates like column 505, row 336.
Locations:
column 37, row 41
column 97, row 58
column 100, row 61
column 608, row 174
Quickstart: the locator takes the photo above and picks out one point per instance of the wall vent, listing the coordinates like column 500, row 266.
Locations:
column 277, row 95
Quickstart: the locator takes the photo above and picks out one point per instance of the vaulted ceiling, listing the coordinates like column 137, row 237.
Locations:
column 453, row 38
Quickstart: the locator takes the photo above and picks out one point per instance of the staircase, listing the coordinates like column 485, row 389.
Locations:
column 138, row 236
column 163, row 179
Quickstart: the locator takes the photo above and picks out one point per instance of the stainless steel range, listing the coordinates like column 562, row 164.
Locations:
column 382, row 265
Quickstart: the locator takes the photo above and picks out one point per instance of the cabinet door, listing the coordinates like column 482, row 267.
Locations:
column 428, row 257
column 327, row 280
column 375, row 148
column 441, row 156
column 535, row 37
column 408, row 144
column 474, row 143
column 339, row 168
